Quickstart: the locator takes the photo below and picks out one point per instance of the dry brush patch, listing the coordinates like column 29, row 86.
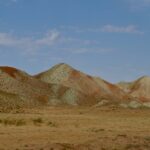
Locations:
column 68, row 128
column 10, row 121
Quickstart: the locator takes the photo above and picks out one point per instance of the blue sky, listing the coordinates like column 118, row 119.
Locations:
column 107, row 38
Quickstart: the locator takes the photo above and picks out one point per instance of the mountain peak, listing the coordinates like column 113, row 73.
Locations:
column 9, row 70
column 57, row 73
column 12, row 72
column 59, row 68
column 64, row 65
column 144, row 79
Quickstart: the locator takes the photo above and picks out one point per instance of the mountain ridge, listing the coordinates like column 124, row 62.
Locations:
column 62, row 84
column 139, row 88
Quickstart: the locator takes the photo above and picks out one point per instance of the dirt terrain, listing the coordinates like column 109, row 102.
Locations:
column 65, row 109
column 75, row 128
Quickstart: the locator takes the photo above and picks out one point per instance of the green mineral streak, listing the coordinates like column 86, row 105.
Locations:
column 70, row 97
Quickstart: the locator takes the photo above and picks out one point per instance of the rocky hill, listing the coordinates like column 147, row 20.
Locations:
column 18, row 89
column 63, row 85
column 139, row 88
column 82, row 88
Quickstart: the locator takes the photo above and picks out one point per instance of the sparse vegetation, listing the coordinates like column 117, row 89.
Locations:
column 51, row 124
column 147, row 138
column 132, row 146
column 37, row 121
column 100, row 128
column 20, row 122
column 96, row 130
column 15, row 122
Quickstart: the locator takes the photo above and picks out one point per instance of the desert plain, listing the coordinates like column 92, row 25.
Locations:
column 66, row 109
column 75, row 128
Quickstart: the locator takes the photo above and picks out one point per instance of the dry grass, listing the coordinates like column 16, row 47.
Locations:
column 9, row 121
column 37, row 121
column 76, row 129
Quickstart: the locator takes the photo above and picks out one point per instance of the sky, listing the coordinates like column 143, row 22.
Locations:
column 106, row 38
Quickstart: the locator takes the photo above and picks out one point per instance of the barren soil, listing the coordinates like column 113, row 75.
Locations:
column 71, row 128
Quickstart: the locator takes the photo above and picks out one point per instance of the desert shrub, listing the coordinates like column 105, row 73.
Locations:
column 37, row 121
column 147, row 138
column 96, row 130
column 9, row 122
column 19, row 122
column 51, row 124
column 1, row 120
column 132, row 146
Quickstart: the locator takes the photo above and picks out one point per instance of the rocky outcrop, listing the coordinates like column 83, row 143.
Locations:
column 139, row 89
column 82, row 88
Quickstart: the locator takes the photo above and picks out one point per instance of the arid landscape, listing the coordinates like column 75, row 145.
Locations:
column 74, row 75
column 65, row 109
column 64, row 85
column 75, row 128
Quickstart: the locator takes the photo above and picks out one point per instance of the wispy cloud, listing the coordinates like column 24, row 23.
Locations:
column 53, row 40
column 9, row 2
column 49, row 39
column 83, row 50
column 138, row 4
column 130, row 29
column 121, row 29
column 29, row 43
column 14, row 1
column 8, row 40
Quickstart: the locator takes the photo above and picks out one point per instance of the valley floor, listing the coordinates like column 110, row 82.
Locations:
column 56, row 128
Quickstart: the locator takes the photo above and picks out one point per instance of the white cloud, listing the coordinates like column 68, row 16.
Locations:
column 140, row 1
column 78, row 41
column 138, row 4
column 132, row 29
column 50, row 38
column 8, row 40
column 82, row 50
column 121, row 29
column 52, row 41
column 28, row 43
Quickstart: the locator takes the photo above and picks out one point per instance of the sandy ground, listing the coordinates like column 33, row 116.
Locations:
column 56, row 128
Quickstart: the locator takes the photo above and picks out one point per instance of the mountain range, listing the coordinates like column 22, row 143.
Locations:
column 64, row 85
